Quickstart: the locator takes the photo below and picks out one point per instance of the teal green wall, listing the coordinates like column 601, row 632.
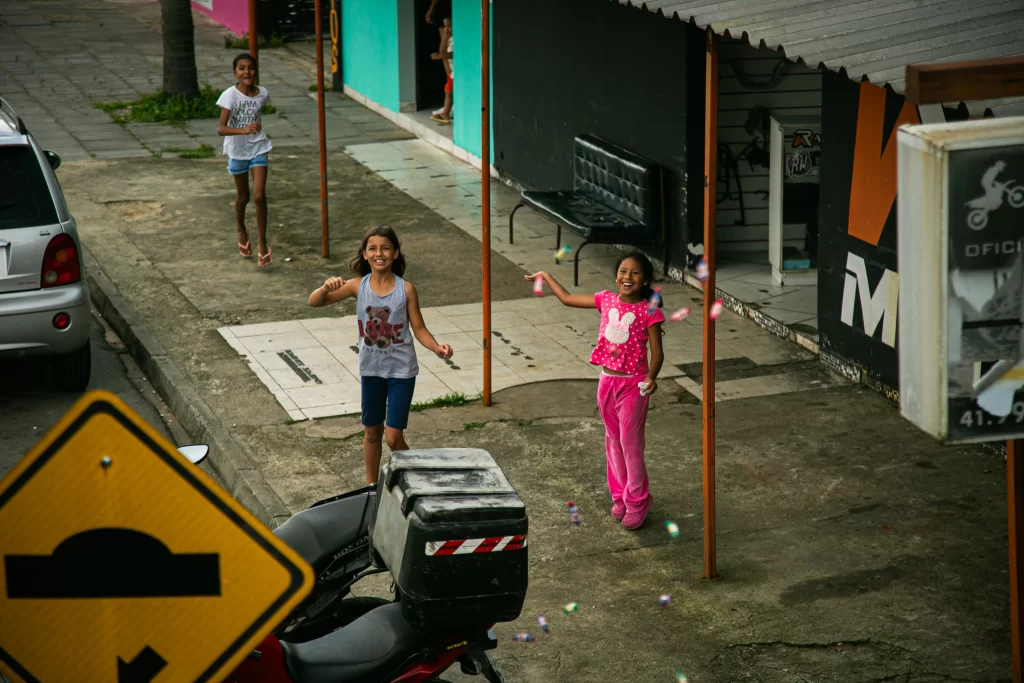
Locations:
column 466, row 43
column 369, row 48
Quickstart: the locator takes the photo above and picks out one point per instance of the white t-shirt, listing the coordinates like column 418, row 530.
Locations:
column 244, row 110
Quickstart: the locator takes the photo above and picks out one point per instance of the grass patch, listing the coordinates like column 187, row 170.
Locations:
column 452, row 400
column 160, row 107
column 203, row 151
column 312, row 88
column 472, row 425
column 242, row 42
column 175, row 110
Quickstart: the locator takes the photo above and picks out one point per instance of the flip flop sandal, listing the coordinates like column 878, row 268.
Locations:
column 245, row 250
column 267, row 258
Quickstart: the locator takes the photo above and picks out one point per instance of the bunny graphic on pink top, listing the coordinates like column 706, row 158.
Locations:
column 617, row 331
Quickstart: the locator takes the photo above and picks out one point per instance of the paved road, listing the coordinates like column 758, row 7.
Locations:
column 30, row 406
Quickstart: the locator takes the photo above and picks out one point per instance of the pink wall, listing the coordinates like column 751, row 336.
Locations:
column 232, row 14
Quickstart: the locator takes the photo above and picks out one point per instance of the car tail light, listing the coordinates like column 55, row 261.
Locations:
column 61, row 264
column 62, row 321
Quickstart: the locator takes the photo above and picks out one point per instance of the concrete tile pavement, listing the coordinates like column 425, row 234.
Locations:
column 56, row 62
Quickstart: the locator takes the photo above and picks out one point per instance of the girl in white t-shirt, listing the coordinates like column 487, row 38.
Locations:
column 246, row 147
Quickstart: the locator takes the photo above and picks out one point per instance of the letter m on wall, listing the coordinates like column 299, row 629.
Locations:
column 880, row 305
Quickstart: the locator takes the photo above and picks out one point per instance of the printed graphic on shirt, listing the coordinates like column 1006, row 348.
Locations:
column 245, row 111
column 617, row 330
column 378, row 332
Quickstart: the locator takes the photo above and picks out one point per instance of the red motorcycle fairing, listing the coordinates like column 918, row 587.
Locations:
column 269, row 667
column 266, row 667
column 428, row 671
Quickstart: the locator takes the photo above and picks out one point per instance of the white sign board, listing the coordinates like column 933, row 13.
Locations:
column 961, row 266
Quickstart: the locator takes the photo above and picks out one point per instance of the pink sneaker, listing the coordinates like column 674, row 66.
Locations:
column 619, row 511
column 634, row 520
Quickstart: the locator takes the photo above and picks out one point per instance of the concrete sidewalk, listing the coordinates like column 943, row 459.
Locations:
column 57, row 60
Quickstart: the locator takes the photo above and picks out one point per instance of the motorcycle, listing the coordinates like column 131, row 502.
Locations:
column 332, row 536
column 330, row 639
column 980, row 207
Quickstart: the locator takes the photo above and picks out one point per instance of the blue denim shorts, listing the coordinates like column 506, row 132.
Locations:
column 387, row 395
column 240, row 166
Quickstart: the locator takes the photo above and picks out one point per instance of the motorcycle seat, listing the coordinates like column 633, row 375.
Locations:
column 369, row 650
column 317, row 534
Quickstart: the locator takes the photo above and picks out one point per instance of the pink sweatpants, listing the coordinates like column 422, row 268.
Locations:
column 624, row 412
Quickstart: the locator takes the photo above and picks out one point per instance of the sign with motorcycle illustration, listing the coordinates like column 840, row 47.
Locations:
column 123, row 562
column 961, row 256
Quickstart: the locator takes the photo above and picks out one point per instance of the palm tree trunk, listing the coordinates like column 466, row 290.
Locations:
column 179, row 48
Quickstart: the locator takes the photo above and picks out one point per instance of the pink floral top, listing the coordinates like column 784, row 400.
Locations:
column 622, row 339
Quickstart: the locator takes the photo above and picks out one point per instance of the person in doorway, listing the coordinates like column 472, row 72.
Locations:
column 246, row 146
column 630, row 321
column 444, row 115
column 389, row 317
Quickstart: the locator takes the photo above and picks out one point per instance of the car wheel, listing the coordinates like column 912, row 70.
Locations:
column 71, row 372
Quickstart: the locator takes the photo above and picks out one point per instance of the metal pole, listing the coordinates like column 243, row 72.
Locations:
column 485, row 184
column 325, row 248
column 1015, row 510
column 254, row 38
column 708, row 412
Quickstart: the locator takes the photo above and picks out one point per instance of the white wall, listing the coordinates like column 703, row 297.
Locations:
column 796, row 96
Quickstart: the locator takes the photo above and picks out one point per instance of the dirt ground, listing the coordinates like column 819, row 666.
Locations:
column 850, row 546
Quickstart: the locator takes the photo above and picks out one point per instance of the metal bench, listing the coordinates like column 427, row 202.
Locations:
column 617, row 198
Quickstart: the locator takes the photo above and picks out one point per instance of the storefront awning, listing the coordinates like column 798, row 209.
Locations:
column 871, row 40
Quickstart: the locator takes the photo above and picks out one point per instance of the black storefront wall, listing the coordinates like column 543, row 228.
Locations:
column 838, row 249
column 857, row 267
column 636, row 79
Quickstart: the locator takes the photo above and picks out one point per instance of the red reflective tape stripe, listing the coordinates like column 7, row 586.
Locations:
column 449, row 547
column 516, row 543
column 488, row 544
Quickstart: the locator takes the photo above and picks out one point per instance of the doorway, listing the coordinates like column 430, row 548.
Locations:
column 430, row 74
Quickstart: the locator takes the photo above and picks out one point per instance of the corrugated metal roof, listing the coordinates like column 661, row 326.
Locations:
column 867, row 39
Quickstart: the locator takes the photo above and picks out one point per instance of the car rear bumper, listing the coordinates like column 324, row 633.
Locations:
column 26, row 321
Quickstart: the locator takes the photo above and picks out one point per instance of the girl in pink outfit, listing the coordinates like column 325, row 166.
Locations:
column 628, row 325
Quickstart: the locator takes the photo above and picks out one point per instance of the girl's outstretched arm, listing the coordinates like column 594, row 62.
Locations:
column 333, row 290
column 420, row 330
column 573, row 300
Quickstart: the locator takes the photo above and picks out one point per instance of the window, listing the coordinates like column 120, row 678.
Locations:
column 25, row 199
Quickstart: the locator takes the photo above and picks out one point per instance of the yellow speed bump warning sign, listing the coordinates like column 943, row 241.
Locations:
column 120, row 561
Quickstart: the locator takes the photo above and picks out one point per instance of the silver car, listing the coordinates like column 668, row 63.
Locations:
column 44, row 301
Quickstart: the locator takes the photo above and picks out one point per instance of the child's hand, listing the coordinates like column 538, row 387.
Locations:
column 533, row 277
column 445, row 351
column 648, row 386
column 253, row 127
column 435, row 56
column 333, row 284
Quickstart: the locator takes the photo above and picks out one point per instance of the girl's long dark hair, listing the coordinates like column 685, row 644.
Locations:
column 361, row 266
column 648, row 270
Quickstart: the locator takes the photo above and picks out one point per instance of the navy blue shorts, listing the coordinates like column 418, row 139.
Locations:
column 391, row 396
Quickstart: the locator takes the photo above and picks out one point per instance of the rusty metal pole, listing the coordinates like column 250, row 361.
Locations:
column 254, row 38
column 485, row 184
column 325, row 247
column 708, row 381
column 1015, row 510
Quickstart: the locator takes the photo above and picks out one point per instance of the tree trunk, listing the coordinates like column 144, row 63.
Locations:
column 179, row 48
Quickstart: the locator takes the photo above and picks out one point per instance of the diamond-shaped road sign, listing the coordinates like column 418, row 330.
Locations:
column 122, row 561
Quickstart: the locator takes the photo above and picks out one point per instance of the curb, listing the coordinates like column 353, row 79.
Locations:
column 240, row 478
